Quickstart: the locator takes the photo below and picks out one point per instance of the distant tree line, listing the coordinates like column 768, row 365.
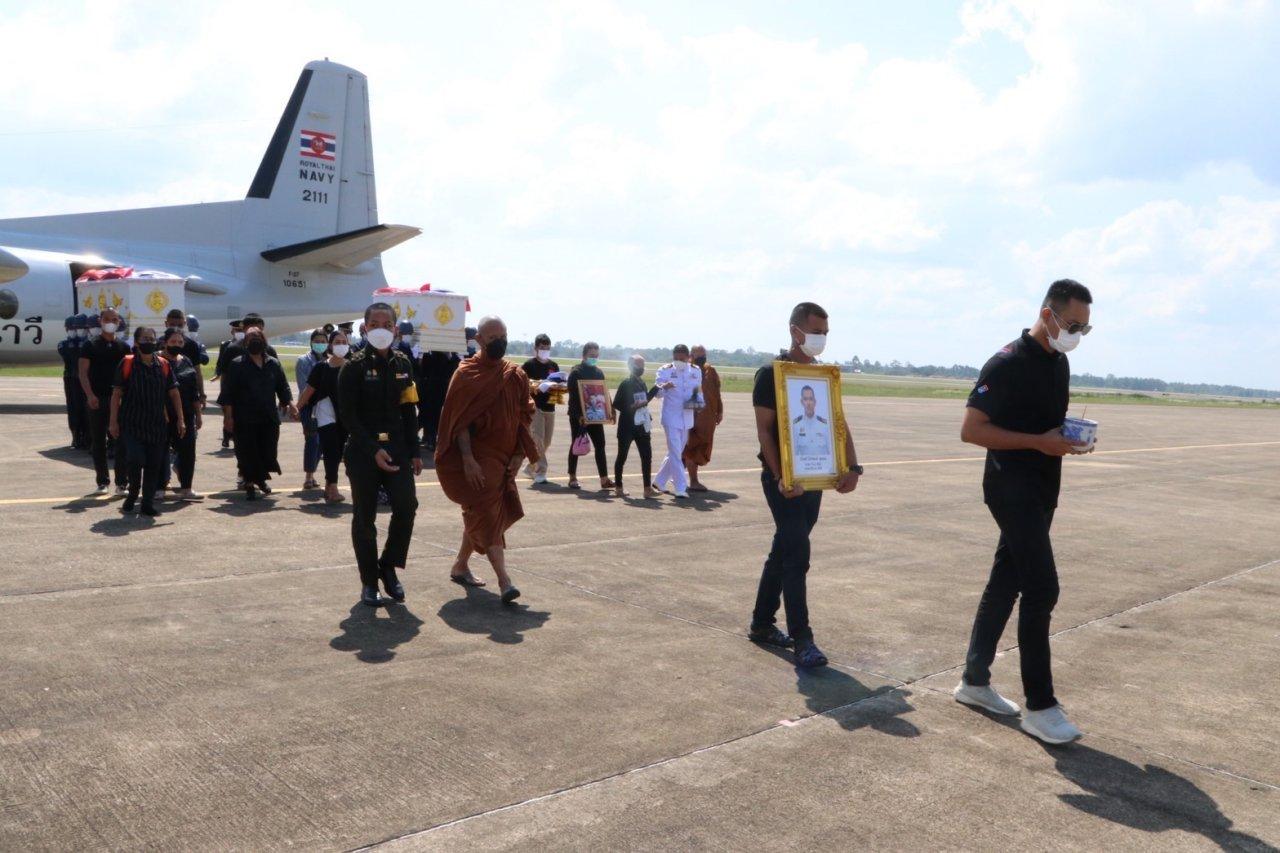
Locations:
column 569, row 351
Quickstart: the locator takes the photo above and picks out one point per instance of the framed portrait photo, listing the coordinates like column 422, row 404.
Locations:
column 811, row 424
column 597, row 407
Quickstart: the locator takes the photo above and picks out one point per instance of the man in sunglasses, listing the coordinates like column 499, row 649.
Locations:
column 1016, row 411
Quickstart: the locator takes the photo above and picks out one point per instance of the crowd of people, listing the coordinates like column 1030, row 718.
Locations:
column 374, row 407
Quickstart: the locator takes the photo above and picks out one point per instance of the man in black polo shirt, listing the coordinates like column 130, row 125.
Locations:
column 795, row 511
column 1016, row 411
column 98, row 363
column 543, row 427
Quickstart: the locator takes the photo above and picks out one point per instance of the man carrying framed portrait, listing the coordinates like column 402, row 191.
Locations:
column 805, row 448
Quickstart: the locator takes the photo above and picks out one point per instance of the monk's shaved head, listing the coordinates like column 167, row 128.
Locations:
column 490, row 328
column 698, row 350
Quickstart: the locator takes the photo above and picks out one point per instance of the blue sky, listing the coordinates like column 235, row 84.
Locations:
column 662, row 172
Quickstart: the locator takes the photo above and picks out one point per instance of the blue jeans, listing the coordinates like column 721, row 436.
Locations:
column 783, row 578
column 310, row 439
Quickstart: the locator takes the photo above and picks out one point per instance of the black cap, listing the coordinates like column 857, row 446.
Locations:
column 347, row 326
column 236, row 324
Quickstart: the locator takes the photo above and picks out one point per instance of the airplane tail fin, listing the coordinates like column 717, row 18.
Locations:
column 316, row 177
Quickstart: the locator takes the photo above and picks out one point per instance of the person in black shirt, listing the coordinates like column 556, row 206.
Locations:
column 322, row 394
column 191, row 391
column 143, row 389
column 378, row 406
column 586, row 369
column 795, row 511
column 634, row 426
column 254, row 390
column 98, row 363
column 226, row 350
column 543, row 427
column 1016, row 411
column 435, row 370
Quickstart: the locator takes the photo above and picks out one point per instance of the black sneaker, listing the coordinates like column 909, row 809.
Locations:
column 770, row 636
column 148, row 510
column 129, row 503
column 391, row 583
column 369, row 596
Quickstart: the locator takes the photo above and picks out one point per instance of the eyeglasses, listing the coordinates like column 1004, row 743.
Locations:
column 1071, row 328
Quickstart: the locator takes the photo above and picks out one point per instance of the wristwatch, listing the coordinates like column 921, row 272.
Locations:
column 855, row 469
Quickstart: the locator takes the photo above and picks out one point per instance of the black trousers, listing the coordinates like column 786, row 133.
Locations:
column 332, row 440
column 146, row 460
column 77, row 411
column 365, row 477
column 644, row 446
column 1023, row 566
column 99, row 420
column 596, row 431
column 783, row 578
column 185, row 450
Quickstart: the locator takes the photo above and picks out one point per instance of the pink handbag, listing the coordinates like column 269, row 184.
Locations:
column 582, row 445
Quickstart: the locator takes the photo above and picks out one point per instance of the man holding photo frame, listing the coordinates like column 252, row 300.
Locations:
column 794, row 475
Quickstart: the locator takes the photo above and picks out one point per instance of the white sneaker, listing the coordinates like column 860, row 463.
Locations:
column 1050, row 725
column 984, row 697
column 539, row 479
column 682, row 494
column 102, row 490
column 122, row 490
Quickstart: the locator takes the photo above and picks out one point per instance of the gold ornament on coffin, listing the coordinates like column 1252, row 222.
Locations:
column 444, row 314
column 157, row 301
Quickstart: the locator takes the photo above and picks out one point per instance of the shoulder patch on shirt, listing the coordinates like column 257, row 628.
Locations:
column 982, row 389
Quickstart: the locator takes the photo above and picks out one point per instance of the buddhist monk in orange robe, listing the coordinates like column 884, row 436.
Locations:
column 484, row 439
column 698, row 451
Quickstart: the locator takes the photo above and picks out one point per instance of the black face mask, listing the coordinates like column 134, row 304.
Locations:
column 700, row 360
column 496, row 348
column 257, row 346
column 174, row 350
column 146, row 347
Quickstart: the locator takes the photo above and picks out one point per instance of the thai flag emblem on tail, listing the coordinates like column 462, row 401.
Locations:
column 321, row 146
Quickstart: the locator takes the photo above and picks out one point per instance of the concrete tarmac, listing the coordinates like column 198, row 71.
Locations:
column 206, row 681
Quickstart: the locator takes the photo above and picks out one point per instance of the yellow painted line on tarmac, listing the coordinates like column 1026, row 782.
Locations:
column 428, row 484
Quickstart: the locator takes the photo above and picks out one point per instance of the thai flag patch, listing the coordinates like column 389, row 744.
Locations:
column 321, row 146
column 982, row 389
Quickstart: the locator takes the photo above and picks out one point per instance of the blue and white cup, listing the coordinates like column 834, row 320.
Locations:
column 1081, row 432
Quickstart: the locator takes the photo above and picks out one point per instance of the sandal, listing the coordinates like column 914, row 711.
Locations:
column 698, row 488
column 770, row 636
column 467, row 580
column 575, row 485
column 809, row 656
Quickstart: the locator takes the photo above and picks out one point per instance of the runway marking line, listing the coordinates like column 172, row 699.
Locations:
column 900, row 462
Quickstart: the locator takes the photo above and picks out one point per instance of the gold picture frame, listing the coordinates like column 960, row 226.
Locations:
column 589, row 390
column 812, row 431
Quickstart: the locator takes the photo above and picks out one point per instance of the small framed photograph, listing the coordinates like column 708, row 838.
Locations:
column 597, row 408
column 811, row 424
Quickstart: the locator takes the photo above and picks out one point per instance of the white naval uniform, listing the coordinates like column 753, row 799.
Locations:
column 676, row 420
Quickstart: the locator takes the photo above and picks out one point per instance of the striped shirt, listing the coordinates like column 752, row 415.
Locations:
column 146, row 393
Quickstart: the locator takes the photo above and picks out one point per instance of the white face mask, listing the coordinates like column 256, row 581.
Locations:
column 544, row 355
column 195, row 336
column 380, row 338
column 110, row 328
column 1065, row 341
column 237, row 336
column 94, row 333
column 341, row 350
column 813, row 344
